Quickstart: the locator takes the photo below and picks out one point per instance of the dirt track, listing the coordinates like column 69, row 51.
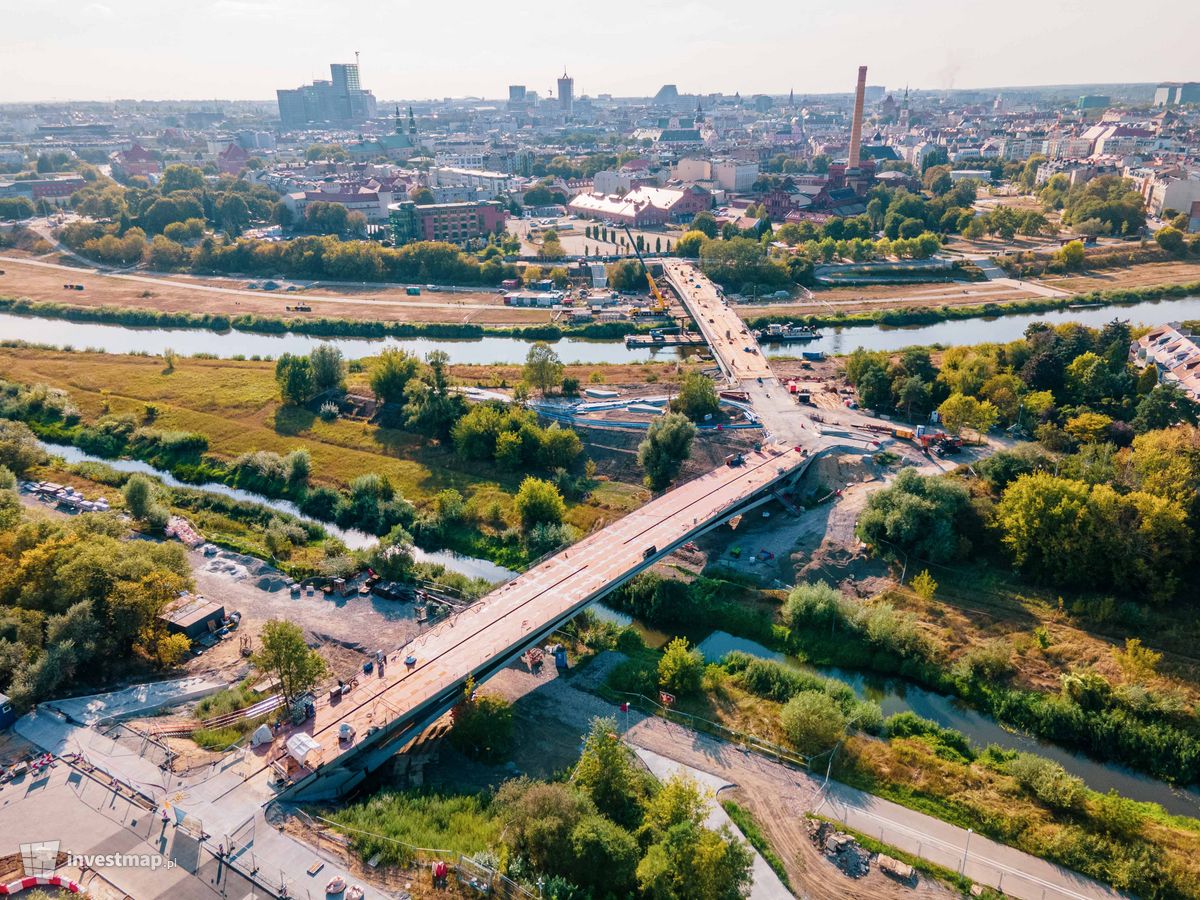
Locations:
column 33, row 279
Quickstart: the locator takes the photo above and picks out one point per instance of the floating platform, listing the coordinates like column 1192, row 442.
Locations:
column 666, row 340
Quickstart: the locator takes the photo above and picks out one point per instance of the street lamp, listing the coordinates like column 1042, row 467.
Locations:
column 966, row 847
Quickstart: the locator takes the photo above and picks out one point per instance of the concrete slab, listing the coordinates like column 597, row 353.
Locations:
column 140, row 699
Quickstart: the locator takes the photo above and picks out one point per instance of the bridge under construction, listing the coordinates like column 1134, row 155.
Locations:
column 421, row 681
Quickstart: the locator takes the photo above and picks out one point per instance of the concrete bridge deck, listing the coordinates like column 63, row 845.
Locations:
column 521, row 613
column 742, row 360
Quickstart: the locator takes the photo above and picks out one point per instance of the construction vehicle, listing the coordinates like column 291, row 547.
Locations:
column 660, row 304
column 937, row 440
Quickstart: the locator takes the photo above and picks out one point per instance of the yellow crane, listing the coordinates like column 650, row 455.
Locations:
column 660, row 304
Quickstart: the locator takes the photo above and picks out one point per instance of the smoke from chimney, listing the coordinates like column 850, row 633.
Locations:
column 856, row 130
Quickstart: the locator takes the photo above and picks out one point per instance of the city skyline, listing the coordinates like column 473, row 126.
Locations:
column 246, row 49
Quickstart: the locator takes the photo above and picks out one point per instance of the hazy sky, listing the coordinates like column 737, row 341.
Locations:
column 245, row 49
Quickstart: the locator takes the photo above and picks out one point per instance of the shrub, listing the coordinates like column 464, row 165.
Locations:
column 814, row 604
column 1048, row 781
column 908, row 724
column 538, row 502
column 681, row 668
column 813, row 722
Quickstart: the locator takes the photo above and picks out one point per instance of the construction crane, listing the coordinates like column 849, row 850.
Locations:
column 660, row 304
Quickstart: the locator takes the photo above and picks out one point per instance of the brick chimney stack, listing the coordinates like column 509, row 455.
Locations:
column 856, row 130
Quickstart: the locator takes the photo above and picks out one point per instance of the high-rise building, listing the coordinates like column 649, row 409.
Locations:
column 339, row 101
column 516, row 93
column 1176, row 93
column 566, row 93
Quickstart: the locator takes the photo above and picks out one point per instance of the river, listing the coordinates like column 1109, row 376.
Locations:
column 351, row 537
column 833, row 340
column 895, row 695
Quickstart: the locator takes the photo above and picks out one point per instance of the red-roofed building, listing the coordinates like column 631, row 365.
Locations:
column 644, row 206
column 232, row 159
column 136, row 161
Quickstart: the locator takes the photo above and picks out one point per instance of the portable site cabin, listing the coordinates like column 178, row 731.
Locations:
column 304, row 749
column 193, row 616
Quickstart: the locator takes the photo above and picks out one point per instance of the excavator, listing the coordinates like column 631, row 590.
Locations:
column 659, row 306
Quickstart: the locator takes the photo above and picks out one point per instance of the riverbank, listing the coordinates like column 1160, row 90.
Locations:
column 318, row 326
column 139, row 331
column 229, row 410
column 946, row 313
column 1002, row 790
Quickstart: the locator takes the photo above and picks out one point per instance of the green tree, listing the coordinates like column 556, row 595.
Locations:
column 685, row 860
column 691, row 244
column 917, row 515
column 913, row 393
column 697, row 397
column 552, row 247
column 538, row 502
column 607, row 773
column 328, row 368
column 603, row 857
column 179, row 177
column 1089, row 427
column 432, row 408
column 1164, row 406
column 19, row 447
column 813, row 722
column 390, row 374
column 668, row 443
column 681, row 669
column 558, row 447
column 483, row 726
column 1072, row 255
column 286, row 657
column 139, row 496
column 294, row 376
column 543, row 369
column 705, row 223
column 1069, row 533
column 959, row 411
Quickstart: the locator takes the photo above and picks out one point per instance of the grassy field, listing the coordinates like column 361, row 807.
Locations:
column 980, row 606
column 235, row 404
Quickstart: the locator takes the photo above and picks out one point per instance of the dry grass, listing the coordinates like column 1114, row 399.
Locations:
column 235, row 404
column 181, row 293
column 1144, row 275
column 975, row 607
column 869, row 298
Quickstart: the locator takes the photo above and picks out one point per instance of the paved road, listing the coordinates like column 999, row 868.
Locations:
column 792, row 792
column 765, row 884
